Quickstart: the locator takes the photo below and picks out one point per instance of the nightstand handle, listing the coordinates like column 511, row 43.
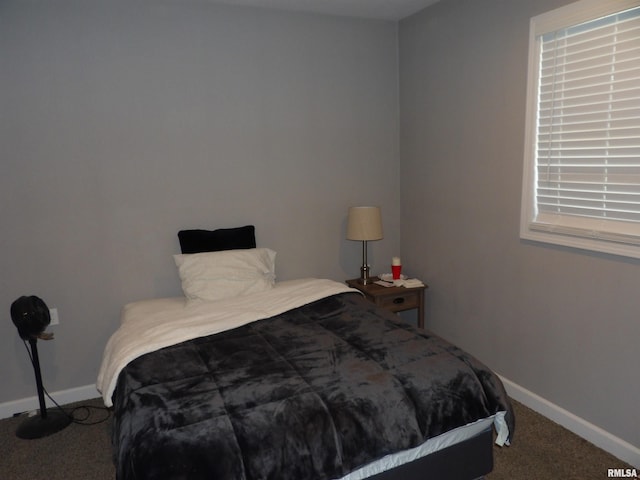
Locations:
column 398, row 300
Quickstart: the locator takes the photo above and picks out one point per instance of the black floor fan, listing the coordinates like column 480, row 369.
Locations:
column 31, row 316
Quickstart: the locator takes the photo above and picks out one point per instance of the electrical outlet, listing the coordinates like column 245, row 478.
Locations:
column 53, row 313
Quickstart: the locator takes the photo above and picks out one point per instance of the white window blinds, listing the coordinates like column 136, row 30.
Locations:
column 587, row 130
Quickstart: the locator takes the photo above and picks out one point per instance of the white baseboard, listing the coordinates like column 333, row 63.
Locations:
column 78, row 394
column 592, row 433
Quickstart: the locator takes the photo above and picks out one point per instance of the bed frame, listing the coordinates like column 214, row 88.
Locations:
column 467, row 460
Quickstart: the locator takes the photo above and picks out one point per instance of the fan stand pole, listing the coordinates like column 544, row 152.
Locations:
column 48, row 422
column 36, row 367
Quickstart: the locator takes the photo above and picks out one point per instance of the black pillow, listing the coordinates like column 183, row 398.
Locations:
column 197, row 241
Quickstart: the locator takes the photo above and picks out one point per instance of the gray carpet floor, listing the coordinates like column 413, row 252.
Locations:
column 541, row 450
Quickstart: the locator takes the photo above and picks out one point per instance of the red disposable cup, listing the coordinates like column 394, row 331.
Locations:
column 395, row 271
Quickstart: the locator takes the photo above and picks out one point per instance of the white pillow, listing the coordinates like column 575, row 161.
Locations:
column 230, row 273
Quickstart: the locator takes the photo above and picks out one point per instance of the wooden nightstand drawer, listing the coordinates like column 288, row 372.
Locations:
column 394, row 299
column 400, row 302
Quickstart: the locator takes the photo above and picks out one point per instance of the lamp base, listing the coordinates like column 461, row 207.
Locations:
column 38, row 427
column 365, row 278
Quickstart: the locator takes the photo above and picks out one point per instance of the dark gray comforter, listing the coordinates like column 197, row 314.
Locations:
column 313, row 393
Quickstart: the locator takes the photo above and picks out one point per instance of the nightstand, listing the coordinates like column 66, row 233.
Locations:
column 394, row 299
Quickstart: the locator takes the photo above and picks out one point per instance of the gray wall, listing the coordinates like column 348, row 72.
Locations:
column 561, row 323
column 124, row 122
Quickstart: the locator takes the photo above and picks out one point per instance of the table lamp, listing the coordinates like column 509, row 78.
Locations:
column 364, row 224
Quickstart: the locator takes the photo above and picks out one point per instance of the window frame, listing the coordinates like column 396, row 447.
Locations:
column 620, row 238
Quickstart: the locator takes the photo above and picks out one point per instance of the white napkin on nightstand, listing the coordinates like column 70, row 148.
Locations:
column 409, row 283
column 401, row 282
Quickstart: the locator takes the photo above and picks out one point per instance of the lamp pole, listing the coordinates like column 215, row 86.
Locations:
column 364, row 269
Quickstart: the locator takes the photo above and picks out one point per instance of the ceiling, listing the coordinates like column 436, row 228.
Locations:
column 375, row 9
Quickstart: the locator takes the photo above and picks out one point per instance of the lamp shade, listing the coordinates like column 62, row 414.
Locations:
column 365, row 223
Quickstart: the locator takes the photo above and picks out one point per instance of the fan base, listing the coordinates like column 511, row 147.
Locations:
column 38, row 427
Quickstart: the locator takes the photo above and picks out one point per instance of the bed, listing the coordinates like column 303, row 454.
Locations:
column 300, row 379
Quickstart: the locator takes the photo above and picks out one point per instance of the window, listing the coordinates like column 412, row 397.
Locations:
column 581, row 183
